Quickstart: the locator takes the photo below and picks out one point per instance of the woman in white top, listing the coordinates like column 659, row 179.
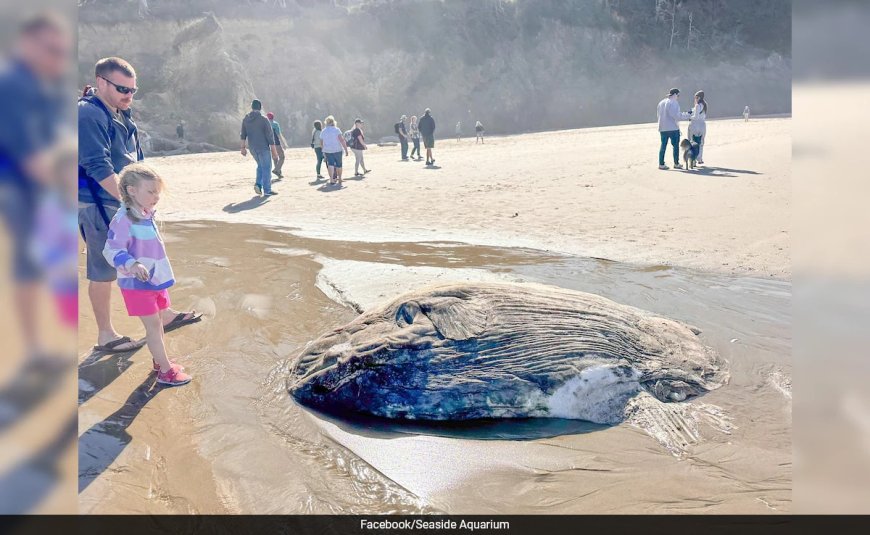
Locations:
column 698, row 124
column 333, row 145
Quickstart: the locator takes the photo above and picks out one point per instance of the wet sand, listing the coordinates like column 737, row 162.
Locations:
column 234, row 441
column 37, row 439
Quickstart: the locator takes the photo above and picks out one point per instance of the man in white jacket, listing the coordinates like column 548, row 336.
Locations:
column 669, row 127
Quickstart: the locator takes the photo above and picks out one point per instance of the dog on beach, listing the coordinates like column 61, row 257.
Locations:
column 690, row 153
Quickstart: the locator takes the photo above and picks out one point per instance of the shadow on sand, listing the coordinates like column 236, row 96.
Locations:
column 329, row 188
column 489, row 429
column 30, row 386
column 722, row 172
column 28, row 483
column 100, row 445
column 250, row 204
column 96, row 374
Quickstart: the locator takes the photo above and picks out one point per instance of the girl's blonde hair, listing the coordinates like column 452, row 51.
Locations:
column 330, row 120
column 133, row 175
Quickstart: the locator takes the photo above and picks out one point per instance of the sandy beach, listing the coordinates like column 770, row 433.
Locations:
column 37, row 419
column 583, row 209
column 592, row 192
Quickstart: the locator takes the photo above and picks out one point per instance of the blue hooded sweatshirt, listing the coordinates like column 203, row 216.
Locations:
column 107, row 143
column 31, row 115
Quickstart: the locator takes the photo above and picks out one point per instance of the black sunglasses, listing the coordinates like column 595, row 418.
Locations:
column 124, row 90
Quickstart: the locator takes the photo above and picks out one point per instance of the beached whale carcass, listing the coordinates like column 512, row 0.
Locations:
column 467, row 351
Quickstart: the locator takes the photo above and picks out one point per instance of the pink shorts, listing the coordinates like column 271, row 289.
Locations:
column 145, row 302
column 68, row 308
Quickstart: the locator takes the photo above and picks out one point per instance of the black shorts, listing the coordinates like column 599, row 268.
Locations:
column 429, row 142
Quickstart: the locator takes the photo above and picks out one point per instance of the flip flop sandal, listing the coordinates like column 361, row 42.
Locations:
column 181, row 320
column 112, row 347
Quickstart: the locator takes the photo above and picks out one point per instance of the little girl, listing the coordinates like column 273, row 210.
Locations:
column 55, row 242
column 134, row 246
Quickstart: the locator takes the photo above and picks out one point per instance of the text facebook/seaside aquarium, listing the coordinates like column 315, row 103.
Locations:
column 420, row 523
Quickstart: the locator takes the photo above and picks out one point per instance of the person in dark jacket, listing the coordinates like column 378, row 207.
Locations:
column 427, row 130
column 258, row 134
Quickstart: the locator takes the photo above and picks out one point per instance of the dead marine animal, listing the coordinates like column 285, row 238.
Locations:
column 469, row 351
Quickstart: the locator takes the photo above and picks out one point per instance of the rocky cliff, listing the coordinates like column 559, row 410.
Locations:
column 517, row 66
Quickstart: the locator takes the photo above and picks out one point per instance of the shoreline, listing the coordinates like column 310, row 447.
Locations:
column 591, row 201
column 471, row 242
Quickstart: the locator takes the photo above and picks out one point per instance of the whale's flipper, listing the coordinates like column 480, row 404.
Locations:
column 676, row 426
column 456, row 318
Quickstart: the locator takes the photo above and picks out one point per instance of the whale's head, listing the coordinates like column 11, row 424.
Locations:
column 379, row 353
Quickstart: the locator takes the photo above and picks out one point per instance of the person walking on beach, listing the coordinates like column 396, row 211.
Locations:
column 179, row 130
column 258, row 134
column 415, row 138
column 317, row 145
column 746, row 114
column 279, row 146
column 402, row 132
column 333, row 145
column 358, row 145
column 669, row 115
column 136, row 249
column 458, row 130
column 427, row 130
column 698, row 124
column 478, row 129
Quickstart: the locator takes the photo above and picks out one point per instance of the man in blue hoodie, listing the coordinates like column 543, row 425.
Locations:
column 32, row 111
column 108, row 142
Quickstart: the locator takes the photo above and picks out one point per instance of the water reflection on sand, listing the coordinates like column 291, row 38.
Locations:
column 234, row 441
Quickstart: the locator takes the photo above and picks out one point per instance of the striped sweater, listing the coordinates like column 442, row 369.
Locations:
column 132, row 241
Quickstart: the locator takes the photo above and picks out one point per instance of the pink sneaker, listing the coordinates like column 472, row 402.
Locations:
column 174, row 366
column 173, row 377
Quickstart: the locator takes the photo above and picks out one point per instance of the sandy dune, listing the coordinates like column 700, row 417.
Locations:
column 591, row 192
